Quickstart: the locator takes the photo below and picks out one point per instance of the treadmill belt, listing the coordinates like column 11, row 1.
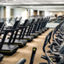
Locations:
column 9, row 47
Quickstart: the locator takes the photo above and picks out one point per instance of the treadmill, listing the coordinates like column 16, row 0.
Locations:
column 38, row 30
column 34, row 28
column 19, row 38
column 16, row 40
column 1, row 27
column 28, row 31
column 41, row 26
column 25, row 34
column 8, row 49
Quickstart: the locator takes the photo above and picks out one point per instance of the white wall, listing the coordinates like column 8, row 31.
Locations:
column 1, row 12
column 47, row 13
column 52, row 13
column 8, row 12
column 31, row 12
column 21, row 12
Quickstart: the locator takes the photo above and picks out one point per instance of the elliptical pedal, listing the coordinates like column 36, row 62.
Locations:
column 22, row 61
column 43, row 63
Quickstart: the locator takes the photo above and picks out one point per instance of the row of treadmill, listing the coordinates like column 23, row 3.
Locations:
column 18, row 34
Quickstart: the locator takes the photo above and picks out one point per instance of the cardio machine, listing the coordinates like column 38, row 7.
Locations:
column 8, row 49
column 22, row 61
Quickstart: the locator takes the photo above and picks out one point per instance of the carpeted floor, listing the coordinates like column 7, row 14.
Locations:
column 26, row 51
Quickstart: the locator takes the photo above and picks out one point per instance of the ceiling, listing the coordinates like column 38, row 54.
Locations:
column 57, row 5
column 49, row 8
column 40, row 2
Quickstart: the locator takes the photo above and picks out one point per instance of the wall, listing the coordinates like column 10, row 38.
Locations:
column 52, row 13
column 57, row 12
column 21, row 12
column 1, row 12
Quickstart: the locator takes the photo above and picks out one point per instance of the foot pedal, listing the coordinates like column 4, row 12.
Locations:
column 22, row 61
column 44, row 57
column 52, row 57
column 43, row 63
column 49, row 51
column 49, row 46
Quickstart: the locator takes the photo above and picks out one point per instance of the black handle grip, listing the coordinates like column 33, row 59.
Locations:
column 33, row 55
